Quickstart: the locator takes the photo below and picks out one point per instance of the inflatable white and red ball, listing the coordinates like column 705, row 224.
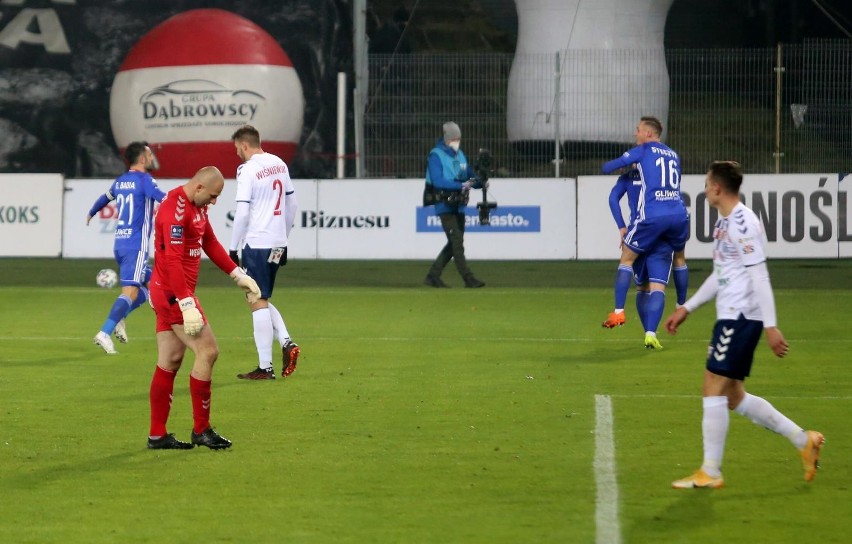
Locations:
column 191, row 81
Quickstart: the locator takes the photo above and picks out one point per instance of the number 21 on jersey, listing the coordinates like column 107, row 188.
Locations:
column 124, row 205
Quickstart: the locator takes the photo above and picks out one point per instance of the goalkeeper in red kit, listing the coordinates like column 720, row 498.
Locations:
column 181, row 232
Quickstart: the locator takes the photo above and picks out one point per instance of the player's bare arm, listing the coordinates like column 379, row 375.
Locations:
column 777, row 342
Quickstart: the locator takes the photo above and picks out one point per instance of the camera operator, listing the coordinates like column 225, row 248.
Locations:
column 449, row 178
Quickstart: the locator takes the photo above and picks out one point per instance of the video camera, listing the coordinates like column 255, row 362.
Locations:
column 482, row 167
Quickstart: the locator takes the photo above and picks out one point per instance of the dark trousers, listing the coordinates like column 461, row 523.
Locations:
column 453, row 225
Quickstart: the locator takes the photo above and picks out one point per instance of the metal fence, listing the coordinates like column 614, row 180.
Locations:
column 776, row 110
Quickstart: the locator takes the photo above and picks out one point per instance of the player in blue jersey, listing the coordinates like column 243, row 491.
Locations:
column 656, row 264
column 661, row 217
column 135, row 192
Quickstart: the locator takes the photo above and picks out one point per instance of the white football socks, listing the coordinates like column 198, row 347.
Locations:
column 714, row 428
column 761, row 412
column 278, row 325
column 263, row 336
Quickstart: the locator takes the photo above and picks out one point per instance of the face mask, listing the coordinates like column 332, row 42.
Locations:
column 455, row 145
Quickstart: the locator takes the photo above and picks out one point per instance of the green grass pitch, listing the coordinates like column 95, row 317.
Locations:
column 416, row 415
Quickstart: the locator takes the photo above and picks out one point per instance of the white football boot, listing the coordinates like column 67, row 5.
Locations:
column 120, row 332
column 105, row 342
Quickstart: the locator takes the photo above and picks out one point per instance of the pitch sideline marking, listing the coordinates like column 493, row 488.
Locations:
column 490, row 339
column 608, row 529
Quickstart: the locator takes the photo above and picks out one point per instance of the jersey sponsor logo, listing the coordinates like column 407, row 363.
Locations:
column 176, row 232
column 503, row 219
column 661, row 195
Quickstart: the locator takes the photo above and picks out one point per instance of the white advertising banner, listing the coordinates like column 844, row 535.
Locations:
column 96, row 240
column 804, row 215
column 844, row 216
column 384, row 219
column 30, row 215
column 371, row 219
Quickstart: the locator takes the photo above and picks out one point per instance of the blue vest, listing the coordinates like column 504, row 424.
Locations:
column 455, row 171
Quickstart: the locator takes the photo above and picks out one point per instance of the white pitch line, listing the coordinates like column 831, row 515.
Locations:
column 489, row 339
column 406, row 339
column 608, row 529
column 696, row 396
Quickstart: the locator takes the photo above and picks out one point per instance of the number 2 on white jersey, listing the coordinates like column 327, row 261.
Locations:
column 277, row 186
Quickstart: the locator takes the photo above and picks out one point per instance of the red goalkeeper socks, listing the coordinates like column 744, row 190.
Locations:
column 200, row 392
column 160, row 397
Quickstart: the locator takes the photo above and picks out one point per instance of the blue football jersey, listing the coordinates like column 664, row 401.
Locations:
column 659, row 172
column 134, row 193
column 631, row 185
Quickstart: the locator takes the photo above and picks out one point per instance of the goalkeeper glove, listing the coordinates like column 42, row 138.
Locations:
column 248, row 285
column 192, row 320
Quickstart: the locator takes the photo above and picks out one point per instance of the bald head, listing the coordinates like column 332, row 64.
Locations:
column 210, row 177
column 205, row 186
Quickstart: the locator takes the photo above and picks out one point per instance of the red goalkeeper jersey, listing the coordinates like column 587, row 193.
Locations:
column 181, row 232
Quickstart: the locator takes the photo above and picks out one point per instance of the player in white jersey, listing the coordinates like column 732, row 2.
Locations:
column 745, row 307
column 266, row 211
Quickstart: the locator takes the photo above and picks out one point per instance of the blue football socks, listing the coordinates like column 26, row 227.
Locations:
column 623, row 278
column 654, row 308
column 117, row 313
column 681, row 281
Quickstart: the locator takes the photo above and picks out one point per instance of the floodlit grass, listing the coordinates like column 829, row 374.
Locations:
column 415, row 415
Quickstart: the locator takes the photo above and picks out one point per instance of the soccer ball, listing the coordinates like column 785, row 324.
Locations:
column 107, row 278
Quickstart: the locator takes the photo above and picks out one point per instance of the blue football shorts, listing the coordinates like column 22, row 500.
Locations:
column 133, row 268
column 647, row 233
column 653, row 266
column 256, row 263
column 731, row 349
